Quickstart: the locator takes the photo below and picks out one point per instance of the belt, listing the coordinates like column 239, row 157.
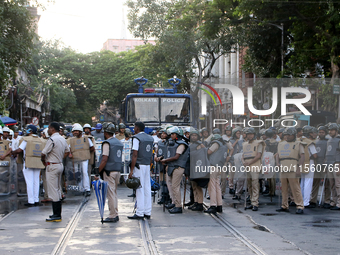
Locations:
column 50, row 163
column 249, row 158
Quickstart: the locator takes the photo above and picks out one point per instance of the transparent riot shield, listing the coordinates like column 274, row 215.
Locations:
column 13, row 176
column 21, row 183
column 73, row 174
column 4, row 178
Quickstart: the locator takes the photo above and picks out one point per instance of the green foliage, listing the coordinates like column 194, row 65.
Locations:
column 16, row 38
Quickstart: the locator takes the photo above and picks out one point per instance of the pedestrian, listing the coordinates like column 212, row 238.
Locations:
column 31, row 145
column 109, row 168
column 140, row 168
column 52, row 157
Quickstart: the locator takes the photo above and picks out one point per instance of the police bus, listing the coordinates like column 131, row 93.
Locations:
column 156, row 106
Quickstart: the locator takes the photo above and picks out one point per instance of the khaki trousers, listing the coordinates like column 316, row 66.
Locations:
column 316, row 185
column 43, row 175
column 214, row 189
column 253, row 187
column 334, row 181
column 167, row 179
column 239, row 186
column 174, row 184
column 112, row 198
column 198, row 192
column 223, row 182
column 231, row 179
column 329, row 191
column 293, row 181
column 53, row 178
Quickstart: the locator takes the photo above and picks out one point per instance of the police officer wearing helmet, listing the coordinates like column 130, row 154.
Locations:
column 280, row 134
column 205, row 136
column 6, row 150
column 109, row 168
column 121, row 128
column 218, row 157
column 291, row 155
column 228, row 133
column 140, row 168
column 251, row 159
column 177, row 157
column 321, row 148
column 308, row 168
column 52, row 157
column 98, row 133
column 87, row 129
column 31, row 146
column 333, row 173
column 81, row 148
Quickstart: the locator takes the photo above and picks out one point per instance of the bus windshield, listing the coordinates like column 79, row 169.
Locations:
column 151, row 109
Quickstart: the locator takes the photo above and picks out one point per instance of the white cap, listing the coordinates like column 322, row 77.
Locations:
column 77, row 127
column 87, row 126
column 45, row 132
column 6, row 129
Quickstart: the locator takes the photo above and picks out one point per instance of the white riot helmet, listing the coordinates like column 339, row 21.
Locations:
column 45, row 132
column 1, row 131
column 11, row 133
column 87, row 126
column 6, row 129
column 77, row 127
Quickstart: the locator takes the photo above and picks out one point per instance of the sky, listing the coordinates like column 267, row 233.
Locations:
column 83, row 24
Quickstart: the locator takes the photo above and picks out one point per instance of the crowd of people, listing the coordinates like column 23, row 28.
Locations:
column 304, row 156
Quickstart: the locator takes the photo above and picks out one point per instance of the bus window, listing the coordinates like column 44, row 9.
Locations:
column 143, row 109
column 175, row 109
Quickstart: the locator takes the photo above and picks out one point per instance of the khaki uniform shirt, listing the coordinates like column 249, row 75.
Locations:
column 56, row 147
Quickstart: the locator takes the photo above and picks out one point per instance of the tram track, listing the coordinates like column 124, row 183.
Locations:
column 148, row 243
column 61, row 245
column 230, row 228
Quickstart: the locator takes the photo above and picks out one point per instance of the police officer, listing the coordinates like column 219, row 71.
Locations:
column 177, row 157
column 205, row 136
column 332, row 160
column 121, row 128
column 140, row 168
column 198, row 153
column 98, row 133
column 31, row 146
column 87, row 133
column 271, row 146
column 159, row 155
column 87, row 129
column 280, row 133
column 218, row 157
column 290, row 156
column 308, row 168
column 251, row 159
column 81, row 148
column 227, row 133
column 52, row 157
column 321, row 148
column 110, row 167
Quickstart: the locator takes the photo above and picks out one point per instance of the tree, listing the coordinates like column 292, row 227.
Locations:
column 17, row 34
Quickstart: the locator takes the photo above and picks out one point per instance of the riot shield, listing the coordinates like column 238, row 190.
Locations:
column 73, row 174
column 239, row 173
column 4, row 178
column 268, row 165
column 13, row 176
column 21, row 183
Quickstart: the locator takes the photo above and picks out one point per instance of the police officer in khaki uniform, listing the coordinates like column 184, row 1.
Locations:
column 271, row 146
column 251, row 159
column 52, row 157
column 291, row 155
column 121, row 134
column 110, row 167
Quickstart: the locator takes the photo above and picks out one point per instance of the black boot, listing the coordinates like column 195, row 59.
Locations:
column 192, row 206
column 211, row 209
column 198, row 207
column 56, row 217
column 219, row 208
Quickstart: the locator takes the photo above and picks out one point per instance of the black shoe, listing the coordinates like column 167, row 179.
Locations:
column 326, row 206
column 88, row 193
column 38, row 204
column 219, row 208
column 222, row 197
column 236, row 197
column 311, row 205
column 135, row 217
column 211, row 209
column 292, row 204
column 197, row 208
column 132, row 195
column 249, row 207
column 299, row 211
column 335, row 208
column 189, row 203
column 282, row 210
column 231, row 191
column 147, row 216
column 192, row 206
column 54, row 219
column 208, row 197
column 176, row 210
column 29, row 205
column 255, row 208
column 111, row 220
column 170, row 206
